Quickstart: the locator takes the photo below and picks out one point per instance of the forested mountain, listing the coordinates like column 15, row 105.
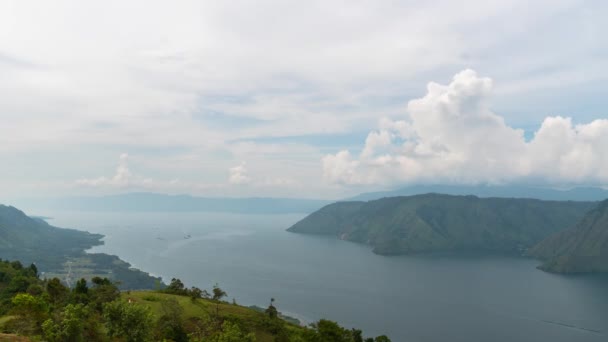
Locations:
column 444, row 223
column 59, row 252
column 583, row 248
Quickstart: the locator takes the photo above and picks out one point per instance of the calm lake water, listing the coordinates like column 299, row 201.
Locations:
column 408, row 298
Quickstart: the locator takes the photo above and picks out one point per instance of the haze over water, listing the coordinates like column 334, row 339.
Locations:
column 422, row 299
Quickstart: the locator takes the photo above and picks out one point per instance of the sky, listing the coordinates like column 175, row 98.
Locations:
column 314, row 99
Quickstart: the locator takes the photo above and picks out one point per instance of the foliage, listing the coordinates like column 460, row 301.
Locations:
column 170, row 323
column 132, row 322
column 218, row 293
column 98, row 311
column 69, row 327
column 232, row 333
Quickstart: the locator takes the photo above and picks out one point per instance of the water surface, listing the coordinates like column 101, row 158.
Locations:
column 408, row 298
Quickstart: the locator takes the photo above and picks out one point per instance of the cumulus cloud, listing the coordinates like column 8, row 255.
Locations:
column 239, row 175
column 122, row 178
column 451, row 136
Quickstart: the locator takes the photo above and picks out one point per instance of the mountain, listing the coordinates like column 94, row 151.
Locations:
column 444, row 223
column 575, row 194
column 176, row 203
column 581, row 249
column 61, row 252
column 33, row 240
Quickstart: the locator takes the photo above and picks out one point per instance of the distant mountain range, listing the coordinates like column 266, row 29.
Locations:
column 444, row 223
column 575, row 194
column 583, row 248
column 175, row 203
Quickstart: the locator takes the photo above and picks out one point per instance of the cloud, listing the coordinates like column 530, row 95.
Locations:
column 451, row 136
column 122, row 178
column 192, row 77
column 125, row 179
column 239, row 175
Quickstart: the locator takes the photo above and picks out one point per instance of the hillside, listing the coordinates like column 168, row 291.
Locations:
column 581, row 249
column 46, row 310
column 59, row 252
column 444, row 223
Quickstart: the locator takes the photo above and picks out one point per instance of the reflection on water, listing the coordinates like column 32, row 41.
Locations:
column 466, row 298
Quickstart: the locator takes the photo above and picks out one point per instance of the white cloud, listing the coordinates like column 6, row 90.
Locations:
column 125, row 179
column 239, row 175
column 122, row 178
column 452, row 136
column 188, row 78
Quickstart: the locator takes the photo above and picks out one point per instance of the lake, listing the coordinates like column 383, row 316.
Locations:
column 424, row 299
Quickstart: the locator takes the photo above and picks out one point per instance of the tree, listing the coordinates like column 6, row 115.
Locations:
column 81, row 286
column 103, row 291
column 232, row 333
column 176, row 287
column 218, row 293
column 33, row 270
column 129, row 321
column 382, row 338
column 328, row 331
column 70, row 327
column 56, row 290
column 272, row 311
column 16, row 265
column 80, row 293
column 25, row 304
column 170, row 323
column 357, row 335
column 195, row 293
column 31, row 312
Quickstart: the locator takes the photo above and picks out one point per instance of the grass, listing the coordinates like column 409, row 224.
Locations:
column 249, row 318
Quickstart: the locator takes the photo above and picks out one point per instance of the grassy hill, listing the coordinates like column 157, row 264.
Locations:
column 249, row 319
column 46, row 310
column 581, row 249
column 444, row 223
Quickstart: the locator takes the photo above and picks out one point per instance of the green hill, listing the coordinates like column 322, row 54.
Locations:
column 46, row 310
column 581, row 249
column 59, row 252
column 444, row 223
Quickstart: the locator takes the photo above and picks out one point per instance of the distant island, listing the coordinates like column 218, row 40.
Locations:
column 59, row 252
column 433, row 223
column 580, row 249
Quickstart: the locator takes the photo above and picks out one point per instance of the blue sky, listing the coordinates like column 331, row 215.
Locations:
column 318, row 99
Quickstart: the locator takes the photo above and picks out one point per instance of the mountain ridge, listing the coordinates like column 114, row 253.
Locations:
column 580, row 249
column 61, row 252
column 438, row 223
column 487, row 191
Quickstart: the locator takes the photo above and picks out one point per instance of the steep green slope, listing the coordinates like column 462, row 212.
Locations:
column 58, row 251
column 581, row 249
column 434, row 223
column 33, row 240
